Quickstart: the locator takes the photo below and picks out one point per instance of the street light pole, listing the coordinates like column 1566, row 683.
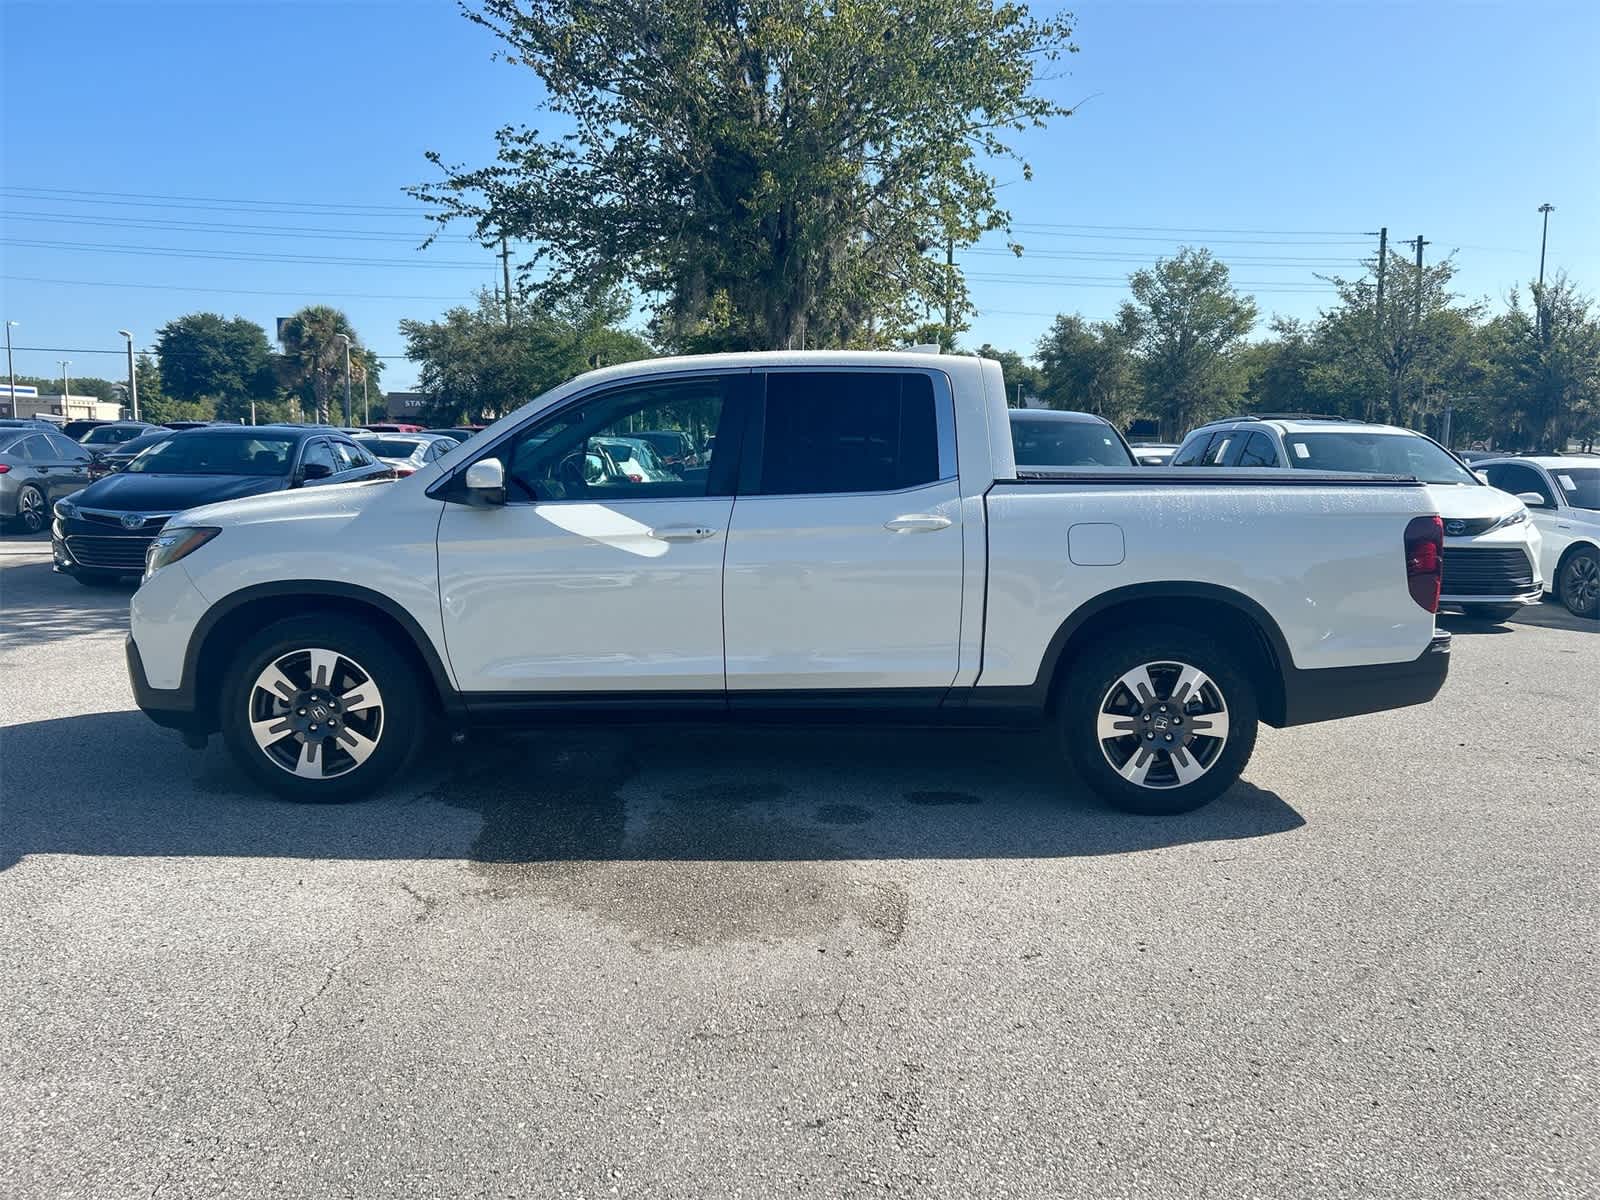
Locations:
column 346, row 340
column 133, row 382
column 11, row 369
column 66, row 387
column 1544, row 236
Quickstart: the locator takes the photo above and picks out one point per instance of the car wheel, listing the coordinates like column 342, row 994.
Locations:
column 1495, row 613
column 31, row 513
column 321, row 709
column 1579, row 585
column 1160, row 722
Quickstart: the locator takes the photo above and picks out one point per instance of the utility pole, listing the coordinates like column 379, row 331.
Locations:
column 133, row 381
column 1416, row 316
column 345, row 338
column 1538, row 299
column 1383, row 263
column 366, row 405
column 505, row 271
column 950, row 288
column 11, row 369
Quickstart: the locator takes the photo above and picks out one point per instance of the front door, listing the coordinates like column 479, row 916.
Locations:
column 596, row 576
column 844, row 556
column 1554, row 529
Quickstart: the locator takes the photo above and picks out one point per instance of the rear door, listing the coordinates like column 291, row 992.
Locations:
column 844, row 558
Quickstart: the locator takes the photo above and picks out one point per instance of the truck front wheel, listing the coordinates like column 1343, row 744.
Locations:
column 1159, row 722
column 321, row 708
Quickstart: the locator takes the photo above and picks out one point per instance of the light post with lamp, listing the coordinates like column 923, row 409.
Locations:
column 133, row 382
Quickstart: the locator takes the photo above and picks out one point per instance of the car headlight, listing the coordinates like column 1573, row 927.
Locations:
column 1516, row 518
column 66, row 510
column 172, row 544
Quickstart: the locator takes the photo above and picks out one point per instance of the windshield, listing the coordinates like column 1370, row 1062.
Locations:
column 1376, row 454
column 1047, row 442
column 217, row 454
column 144, row 442
column 1580, row 485
column 109, row 435
column 390, row 447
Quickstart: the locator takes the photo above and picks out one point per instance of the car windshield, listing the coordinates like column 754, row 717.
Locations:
column 243, row 453
column 1048, row 442
column 1377, row 454
column 144, row 442
column 107, row 435
column 1580, row 485
column 391, row 447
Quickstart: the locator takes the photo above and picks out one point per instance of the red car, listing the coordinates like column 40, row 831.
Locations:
column 393, row 427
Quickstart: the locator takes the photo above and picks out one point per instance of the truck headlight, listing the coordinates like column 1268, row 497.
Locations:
column 172, row 544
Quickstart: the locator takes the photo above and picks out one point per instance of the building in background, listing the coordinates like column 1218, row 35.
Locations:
column 27, row 402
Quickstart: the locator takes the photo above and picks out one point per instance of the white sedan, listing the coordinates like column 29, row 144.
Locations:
column 407, row 453
column 1563, row 497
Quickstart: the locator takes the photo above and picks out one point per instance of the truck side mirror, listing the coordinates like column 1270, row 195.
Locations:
column 486, row 482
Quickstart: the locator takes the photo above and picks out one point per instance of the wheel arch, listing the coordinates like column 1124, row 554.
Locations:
column 232, row 618
column 1221, row 613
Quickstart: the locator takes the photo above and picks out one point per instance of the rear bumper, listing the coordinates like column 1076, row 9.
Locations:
column 1335, row 692
column 172, row 709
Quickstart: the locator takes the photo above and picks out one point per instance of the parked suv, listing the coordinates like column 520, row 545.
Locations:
column 1563, row 496
column 1491, row 547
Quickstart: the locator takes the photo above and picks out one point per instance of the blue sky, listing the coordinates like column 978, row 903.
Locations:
column 295, row 126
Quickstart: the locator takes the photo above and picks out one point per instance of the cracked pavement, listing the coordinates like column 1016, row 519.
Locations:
column 707, row 963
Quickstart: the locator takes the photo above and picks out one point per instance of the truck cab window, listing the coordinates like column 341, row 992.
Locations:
column 830, row 432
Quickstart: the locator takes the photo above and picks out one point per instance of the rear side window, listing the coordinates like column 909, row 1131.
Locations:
column 842, row 431
column 1258, row 451
column 1189, row 454
column 1217, row 452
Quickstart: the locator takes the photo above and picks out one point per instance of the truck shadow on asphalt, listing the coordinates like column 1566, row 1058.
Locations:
column 111, row 784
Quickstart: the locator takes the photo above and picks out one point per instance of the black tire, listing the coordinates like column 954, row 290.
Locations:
column 33, row 514
column 1576, row 583
column 396, row 731
column 1093, row 682
column 1496, row 614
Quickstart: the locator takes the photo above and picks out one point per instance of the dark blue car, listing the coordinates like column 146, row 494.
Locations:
column 101, row 533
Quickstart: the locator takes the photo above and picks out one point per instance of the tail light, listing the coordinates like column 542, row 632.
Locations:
column 4, row 467
column 402, row 472
column 1425, row 560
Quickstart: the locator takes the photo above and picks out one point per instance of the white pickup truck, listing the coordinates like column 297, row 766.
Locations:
column 843, row 535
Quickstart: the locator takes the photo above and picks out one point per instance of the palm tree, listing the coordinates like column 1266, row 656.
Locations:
column 313, row 355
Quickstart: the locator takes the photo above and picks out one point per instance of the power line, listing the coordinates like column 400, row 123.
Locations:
column 230, row 228
column 174, row 287
column 252, row 201
column 1045, row 231
column 1198, row 229
column 240, row 255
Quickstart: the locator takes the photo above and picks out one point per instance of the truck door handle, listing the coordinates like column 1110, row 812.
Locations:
column 918, row 523
column 682, row 533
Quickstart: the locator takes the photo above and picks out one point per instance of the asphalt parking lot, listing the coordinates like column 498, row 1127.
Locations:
column 698, row 963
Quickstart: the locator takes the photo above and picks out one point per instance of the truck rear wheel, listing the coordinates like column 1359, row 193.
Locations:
column 1159, row 722
column 321, row 709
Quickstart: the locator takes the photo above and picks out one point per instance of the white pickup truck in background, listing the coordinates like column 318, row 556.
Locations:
column 853, row 539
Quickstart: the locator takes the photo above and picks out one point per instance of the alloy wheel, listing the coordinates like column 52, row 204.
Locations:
column 1162, row 725
column 316, row 713
column 1580, row 585
column 30, row 509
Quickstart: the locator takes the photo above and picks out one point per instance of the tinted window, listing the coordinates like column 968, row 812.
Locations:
column 1041, row 441
column 318, row 453
column 1376, row 453
column 1579, row 485
column 1189, row 453
column 242, row 453
column 1258, row 451
column 32, row 448
column 1514, row 478
column 837, row 431
column 567, row 456
column 391, row 447
column 112, row 435
column 1217, row 452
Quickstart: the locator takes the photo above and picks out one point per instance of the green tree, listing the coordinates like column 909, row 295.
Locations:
column 1023, row 379
column 777, row 174
column 312, row 364
column 112, row 392
column 1544, row 371
column 1186, row 322
column 208, row 358
column 474, row 366
column 1278, row 371
column 155, row 405
column 1089, row 367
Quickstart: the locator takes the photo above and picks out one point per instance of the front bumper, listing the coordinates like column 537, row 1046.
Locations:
column 1334, row 692
column 101, row 547
column 170, row 708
